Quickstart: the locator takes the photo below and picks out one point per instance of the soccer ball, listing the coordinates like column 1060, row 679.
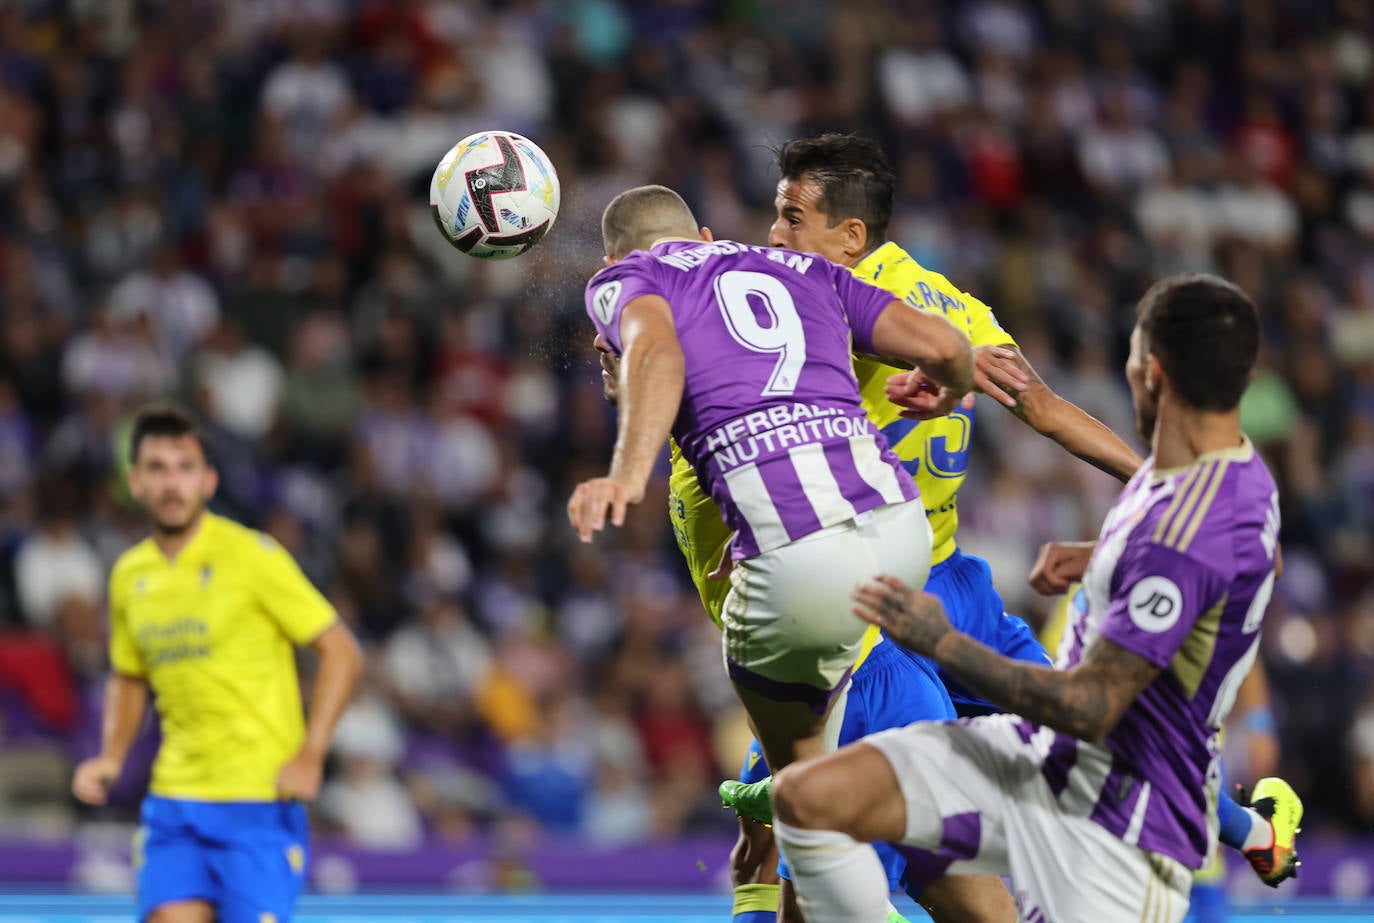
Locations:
column 494, row 195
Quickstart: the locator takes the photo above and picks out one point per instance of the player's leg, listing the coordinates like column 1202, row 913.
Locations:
column 261, row 861
column 173, row 876
column 182, row 912
column 754, row 860
column 754, row 874
column 827, row 812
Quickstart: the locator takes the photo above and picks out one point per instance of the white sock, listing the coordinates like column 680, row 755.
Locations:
column 1261, row 835
column 838, row 879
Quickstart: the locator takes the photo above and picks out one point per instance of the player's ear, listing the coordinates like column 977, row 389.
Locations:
column 706, row 234
column 1154, row 374
column 855, row 236
column 211, row 481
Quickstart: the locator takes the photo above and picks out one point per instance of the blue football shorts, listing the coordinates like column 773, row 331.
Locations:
column 964, row 584
column 247, row 858
column 892, row 688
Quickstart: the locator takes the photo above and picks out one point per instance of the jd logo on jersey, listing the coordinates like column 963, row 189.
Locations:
column 1156, row 604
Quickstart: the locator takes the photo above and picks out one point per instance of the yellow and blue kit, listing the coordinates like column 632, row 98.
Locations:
column 936, row 454
column 212, row 631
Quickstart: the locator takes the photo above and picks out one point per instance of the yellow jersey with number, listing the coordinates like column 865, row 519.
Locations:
column 934, row 452
column 212, row 631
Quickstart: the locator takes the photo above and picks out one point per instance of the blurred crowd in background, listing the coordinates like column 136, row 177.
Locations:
column 226, row 203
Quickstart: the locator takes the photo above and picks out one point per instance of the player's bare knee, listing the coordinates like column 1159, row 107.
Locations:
column 803, row 796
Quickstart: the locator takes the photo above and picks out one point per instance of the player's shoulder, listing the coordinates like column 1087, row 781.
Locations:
column 132, row 561
column 892, row 268
column 1217, row 511
column 234, row 539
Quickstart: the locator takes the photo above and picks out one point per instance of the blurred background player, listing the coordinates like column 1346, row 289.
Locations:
column 204, row 615
column 804, row 481
column 1097, row 794
column 835, row 197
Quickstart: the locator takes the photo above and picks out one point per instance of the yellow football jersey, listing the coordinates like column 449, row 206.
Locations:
column 212, row 631
column 934, row 452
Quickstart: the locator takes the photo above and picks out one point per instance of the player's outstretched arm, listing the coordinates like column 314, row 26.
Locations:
column 341, row 663
column 126, row 699
column 1085, row 702
column 1005, row 375
column 940, row 351
column 648, row 395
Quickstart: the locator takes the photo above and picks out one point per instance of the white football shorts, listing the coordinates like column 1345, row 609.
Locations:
column 790, row 632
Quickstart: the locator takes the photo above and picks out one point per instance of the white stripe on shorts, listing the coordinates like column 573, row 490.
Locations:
column 818, row 481
column 881, row 476
column 750, row 495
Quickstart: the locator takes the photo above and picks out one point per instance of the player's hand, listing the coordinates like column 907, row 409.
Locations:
column 299, row 780
column 94, row 778
column 1058, row 565
column 913, row 618
column 726, row 562
column 994, row 369
column 588, row 505
column 922, row 398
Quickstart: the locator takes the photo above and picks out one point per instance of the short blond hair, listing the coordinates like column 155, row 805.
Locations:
column 638, row 217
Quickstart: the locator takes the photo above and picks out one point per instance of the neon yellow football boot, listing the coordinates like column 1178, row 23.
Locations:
column 1275, row 801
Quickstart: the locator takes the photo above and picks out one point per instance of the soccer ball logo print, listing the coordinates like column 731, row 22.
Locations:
column 1156, row 604
column 494, row 195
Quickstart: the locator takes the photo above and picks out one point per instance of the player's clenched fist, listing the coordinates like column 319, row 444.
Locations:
column 1058, row 565
column 913, row 618
column 299, row 780
column 922, row 398
column 588, row 505
column 94, row 778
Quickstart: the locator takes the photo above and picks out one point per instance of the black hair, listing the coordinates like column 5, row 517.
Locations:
column 164, row 420
column 1205, row 333
column 854, row 175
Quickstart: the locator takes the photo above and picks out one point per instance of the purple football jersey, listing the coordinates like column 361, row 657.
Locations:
column 770, row 415
column 1181, row 576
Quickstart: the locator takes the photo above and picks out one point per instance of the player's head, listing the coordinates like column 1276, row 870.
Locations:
column 610, row 369
column 834, row 197
column 638, row 218
column 169, row 471
column 1195, row 341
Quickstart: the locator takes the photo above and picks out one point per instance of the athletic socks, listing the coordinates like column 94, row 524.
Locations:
column 755, row 904
column 1241, row 827
column 839, row 879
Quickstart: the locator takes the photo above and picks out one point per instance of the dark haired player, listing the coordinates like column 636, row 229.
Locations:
column 204, row 615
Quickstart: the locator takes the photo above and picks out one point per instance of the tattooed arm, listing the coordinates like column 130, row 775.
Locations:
column 1085, row 702
column 1003, row 374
